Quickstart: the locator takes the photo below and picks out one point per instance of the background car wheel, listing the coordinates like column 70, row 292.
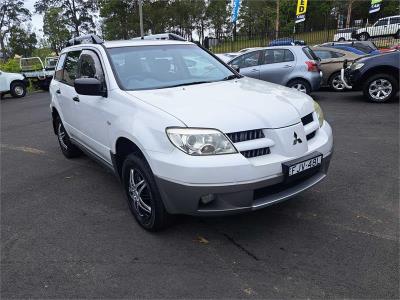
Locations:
column 363, row 36
column 143, row 197
column 18, row 89
column 341, row 39
column 300, row 85
column 381, row 88
column 335, row 83
column 68, row 149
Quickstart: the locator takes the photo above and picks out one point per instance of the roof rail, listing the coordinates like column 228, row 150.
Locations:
column 85, row 39
column 162, row 36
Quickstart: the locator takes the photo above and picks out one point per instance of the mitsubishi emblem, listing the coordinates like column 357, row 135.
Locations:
column 296, row 139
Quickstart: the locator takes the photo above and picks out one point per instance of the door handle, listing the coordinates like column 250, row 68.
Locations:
column 287, row 66
column 254, row 70
column 76, row 99
column 58, row 91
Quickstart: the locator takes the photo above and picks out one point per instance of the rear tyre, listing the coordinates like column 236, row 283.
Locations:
column 18, row 89
column 341, row 39
column 363, row 36
column 300, row 85
column 68, row 149
column 142, row 193
column 335, row 83
column 381, row 88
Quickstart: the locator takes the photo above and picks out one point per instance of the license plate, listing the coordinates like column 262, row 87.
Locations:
column 302, row 166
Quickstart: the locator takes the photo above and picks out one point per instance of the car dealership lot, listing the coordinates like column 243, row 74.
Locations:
column 66, row 231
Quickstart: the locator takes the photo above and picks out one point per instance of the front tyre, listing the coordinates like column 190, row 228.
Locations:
column 68, row 149
column 380, row 88
column 18, row 89
column 335, row 83
column 363, row 36
column 142, row 193
column 300, row 85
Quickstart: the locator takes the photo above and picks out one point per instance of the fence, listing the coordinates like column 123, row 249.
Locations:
column 241, row 41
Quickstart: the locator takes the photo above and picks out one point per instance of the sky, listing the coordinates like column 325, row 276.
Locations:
column 37, row 19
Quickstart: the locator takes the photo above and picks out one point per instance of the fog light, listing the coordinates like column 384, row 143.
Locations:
column 207, row 198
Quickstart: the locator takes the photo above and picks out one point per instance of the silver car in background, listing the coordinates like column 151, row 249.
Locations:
column 293, row 66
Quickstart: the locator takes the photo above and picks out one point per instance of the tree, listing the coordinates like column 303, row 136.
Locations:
column 77, row 13
column 218, row 15
column 22, row 42
column 12, row 14
column 55, row 28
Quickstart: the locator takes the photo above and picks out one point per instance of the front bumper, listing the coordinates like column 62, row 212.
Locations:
column 236, row 198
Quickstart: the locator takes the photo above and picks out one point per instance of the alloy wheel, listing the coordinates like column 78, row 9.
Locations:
column 380, row 89
column 139, row 194
column 62, row 136
column 337, row 83
column 300, row 87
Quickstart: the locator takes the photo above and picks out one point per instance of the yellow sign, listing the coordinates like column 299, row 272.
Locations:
column 301, row 7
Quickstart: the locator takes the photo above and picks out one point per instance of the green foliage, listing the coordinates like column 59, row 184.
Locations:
column 55, row 28
column 21, row 42
column 10, row 65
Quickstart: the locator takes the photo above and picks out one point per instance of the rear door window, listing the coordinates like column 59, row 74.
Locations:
column 71, row 67
column 395, row 20
column 382, row 22
column 323, row 54
column 273, row 56
column 60, row 68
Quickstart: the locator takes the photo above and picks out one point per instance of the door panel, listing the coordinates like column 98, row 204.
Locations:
column 93, row 110
column 277, row 65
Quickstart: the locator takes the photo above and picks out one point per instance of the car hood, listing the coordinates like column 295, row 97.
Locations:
column 233, row 105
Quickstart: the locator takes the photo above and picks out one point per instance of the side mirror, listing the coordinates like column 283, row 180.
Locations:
column 89, row 87
column 236, row 68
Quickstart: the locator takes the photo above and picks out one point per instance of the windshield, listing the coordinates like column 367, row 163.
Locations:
column 155, row 67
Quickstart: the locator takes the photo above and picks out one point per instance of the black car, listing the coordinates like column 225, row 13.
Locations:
column 377, row 76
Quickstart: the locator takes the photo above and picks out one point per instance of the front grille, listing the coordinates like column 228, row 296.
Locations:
column 256, row 152
column 310, row 135
column 248, row 135
column 307, row 119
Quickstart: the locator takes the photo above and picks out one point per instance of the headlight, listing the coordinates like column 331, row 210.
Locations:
column 319, row 113
column 357, row 66
column 196, row 141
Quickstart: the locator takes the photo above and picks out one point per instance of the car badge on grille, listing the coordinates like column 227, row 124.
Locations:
column 296, row 139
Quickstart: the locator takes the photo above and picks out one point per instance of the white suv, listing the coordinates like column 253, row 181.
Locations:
column 389, row 26
column 185, row 133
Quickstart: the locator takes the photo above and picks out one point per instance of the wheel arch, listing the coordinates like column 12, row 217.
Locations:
column 54, row 116
column 393, row 71
column 17, row 81
column 123, row 147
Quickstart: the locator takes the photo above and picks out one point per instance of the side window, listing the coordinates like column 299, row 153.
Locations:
column 289, row 56
column 381, row 22
column 59, row 69
column 71, row 67
column 90, row 66
column 336, row 54
column 247, row 60
column 322, row 54
column 395, row 20
column 273, row 56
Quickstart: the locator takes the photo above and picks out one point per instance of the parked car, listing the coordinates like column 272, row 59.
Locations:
column 13, row 83
column 377, row 76
column 344, row 34
column 39, row 74
column 391, row 49
column 389, row 26
column 227, row 56
column 286, row 42
column 181, row 141
column 357, row 47
column 248, row 49
column 331, row 63
column 293, row 66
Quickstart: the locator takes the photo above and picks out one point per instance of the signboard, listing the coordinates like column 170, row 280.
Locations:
column 375, row 6
column 301, row 11
column 235, row 10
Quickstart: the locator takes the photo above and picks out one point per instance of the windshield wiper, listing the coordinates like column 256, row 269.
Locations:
column 230, row 77
column 187, row 83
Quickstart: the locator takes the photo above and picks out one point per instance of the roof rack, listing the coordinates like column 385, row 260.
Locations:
column 85, row 39
column 161, row 36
